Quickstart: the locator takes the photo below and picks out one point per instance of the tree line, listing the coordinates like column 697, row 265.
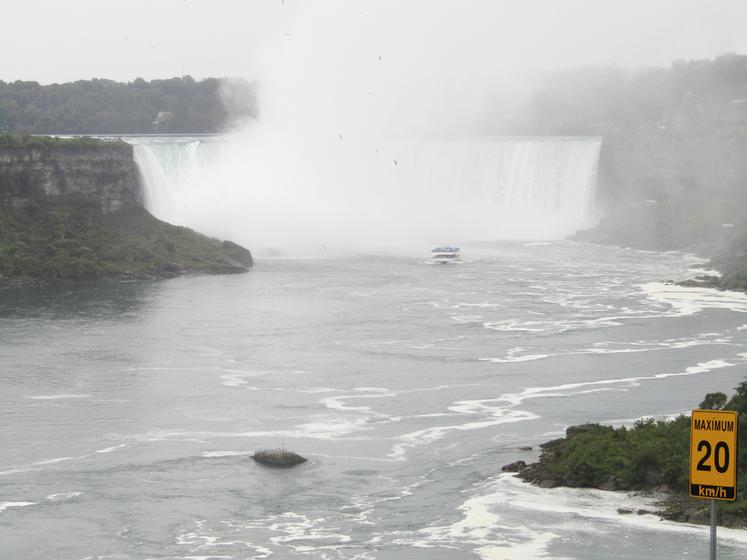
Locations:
column 176, row 105
column 688, row 94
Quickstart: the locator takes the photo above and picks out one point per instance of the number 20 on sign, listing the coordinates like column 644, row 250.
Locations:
column 713, row 454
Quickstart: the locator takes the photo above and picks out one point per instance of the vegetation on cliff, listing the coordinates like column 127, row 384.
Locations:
column 176, row 105
column 69, row 238
column 9, row 140
column 76, row 233
column 653, row 454
column 596, row 100
column 671, row 170
column 731, row 261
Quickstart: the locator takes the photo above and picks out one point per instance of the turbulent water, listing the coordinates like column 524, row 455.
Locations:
column 346, row 198
column 130, row 410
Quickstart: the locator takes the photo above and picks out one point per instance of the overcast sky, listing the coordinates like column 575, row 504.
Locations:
column 62, row 40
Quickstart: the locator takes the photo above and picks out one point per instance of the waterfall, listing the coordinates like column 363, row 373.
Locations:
column 352, row 197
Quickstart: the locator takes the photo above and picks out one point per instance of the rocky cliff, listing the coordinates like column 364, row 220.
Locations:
column 671, row 189
column 104, row 171
column 70, row 210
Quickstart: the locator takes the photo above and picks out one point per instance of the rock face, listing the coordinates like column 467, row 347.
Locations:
column 104, row 171
column 670, row 189
column 650, row 162
column 516, row 466
column 70, row 210
column 241, row 255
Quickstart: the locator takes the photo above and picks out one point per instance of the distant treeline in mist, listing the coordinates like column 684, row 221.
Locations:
column 176, row 105
column 697, row 93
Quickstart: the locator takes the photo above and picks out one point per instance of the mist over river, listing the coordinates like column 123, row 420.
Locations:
column 130, row 410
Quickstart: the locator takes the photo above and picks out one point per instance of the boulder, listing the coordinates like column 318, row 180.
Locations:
column 278, row 457
column 516, row 466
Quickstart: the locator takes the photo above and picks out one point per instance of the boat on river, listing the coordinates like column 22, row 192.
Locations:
column 445, row 254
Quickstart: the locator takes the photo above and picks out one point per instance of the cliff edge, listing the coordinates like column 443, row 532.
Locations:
column 70, row 209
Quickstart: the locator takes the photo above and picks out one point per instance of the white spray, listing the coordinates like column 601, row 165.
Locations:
column 370, row 141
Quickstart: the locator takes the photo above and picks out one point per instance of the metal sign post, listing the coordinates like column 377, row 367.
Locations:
column 713, row 460
column 713, row 530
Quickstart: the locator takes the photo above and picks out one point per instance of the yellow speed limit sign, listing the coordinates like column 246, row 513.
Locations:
column 713, row 454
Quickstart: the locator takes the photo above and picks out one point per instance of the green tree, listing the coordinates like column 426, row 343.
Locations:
column 713, row 401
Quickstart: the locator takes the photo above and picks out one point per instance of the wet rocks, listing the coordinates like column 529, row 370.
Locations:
column 280, row 457
column 516, row 466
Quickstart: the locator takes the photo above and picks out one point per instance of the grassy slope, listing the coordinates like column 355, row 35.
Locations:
column 68, row 238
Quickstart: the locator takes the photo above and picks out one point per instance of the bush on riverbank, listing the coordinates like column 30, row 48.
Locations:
column 650, row 453
column 653, row 454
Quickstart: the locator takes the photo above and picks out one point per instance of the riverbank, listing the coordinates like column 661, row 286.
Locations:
column 649, row 458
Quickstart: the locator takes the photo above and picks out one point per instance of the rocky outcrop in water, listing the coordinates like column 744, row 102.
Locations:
column 281, row 457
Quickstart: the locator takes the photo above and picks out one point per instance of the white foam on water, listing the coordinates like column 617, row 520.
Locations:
column 57, row 397
column 466, row 319
column 62, row 496
column 481, row 526
column 219, row 454
column 677, row 300
column 236, row 378
column 332, row 428
column 635, row 347
column 479, row 305
column 111, row 449
column 6, row 505
column 592, row 504
column 13, row 471
column 555, row 327
column 512, row 325
column 53, row 461
column 706, row 272
column 485, row 515
column 294, row 531
column 315, row 390
column 209, row 557
column 338, row 403
column 502, row 409
column 516, row 355
column 688, row 301
column 494, row 416
column 515, row 359
column 701, row 367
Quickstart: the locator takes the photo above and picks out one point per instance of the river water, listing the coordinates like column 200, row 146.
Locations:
column 130, row 410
